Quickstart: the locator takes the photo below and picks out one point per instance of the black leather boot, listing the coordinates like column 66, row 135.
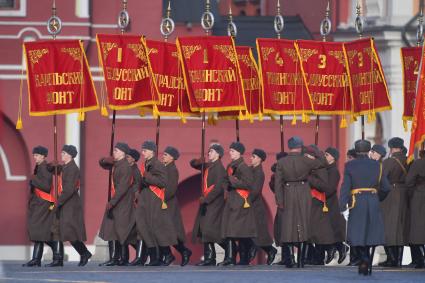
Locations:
column 271, row 254
column 319, row 255
column 82, row 250
column 364, row 260
column 209, row 255
column 154, row 257
column 342, row 252
column 399, row 261
column 289, row 256
column 354, row 256
column 230, row 253
column 114, row 254
column 125, row 255
column 57, row 254
column 244, row 252
column 304, row 253
column 141, row 255
column 420, row 257
column 330, row 253
column 184, row 252
column 252, row 251
column 37, row 253
column 166, row 256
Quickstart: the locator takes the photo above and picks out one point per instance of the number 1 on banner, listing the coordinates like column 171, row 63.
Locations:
column 119, row 55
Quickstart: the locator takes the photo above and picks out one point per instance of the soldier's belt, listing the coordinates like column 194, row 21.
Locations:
column 359, row 191
column 302, row 182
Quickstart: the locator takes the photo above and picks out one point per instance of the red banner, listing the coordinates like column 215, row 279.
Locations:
column 417, row 136
column 251, row 86
column 368, row 86
column 128, row 77
column 325, row 75
column 211, row 72
column 59, row 80
column 168, row 79
column 283, row 88
column 410, row 60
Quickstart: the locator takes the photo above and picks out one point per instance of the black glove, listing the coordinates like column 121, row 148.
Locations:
column 203, row 209
column 143, row 183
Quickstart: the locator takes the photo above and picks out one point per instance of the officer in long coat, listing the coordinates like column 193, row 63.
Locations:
column 118, row 219
column 363, row 187
column 415, row 180
column 207, row 225
column 263, row 239
column 171, row 154
column 152, row 211
column 293, row 197
column 40, row 205
column 69, row 209
column 238, row 216
column 394, row 207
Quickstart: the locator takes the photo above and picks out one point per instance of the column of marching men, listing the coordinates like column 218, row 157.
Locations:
column 381, row 202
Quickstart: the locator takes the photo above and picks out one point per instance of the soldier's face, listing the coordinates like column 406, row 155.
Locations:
column 130, row 159
column 255, row 160
column 309, row 156
column 166, row 158
column 118, row 154
column 38, row 158
column 329, row 158
column 65, row 157
column 234, row 155
column 147, row 154
column 374, row 155
column 213, row 155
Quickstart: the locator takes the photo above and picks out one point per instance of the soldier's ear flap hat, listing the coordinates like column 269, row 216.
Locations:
column 149, row 145
column 333, row 151
column 70, row 149
column 295, row 142
column 260, row 153
column 396, row 143
column 40, row 150
column 362, row 146
column 135, row 154
column 379, row 149
column 239, row 147
column 173, row 152
column 218, row 148
column 123, row 147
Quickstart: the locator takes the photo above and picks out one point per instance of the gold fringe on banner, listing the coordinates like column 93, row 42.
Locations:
column 343, row 123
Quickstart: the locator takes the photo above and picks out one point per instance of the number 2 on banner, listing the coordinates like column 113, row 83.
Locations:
column 322, row 59
column 416, row 70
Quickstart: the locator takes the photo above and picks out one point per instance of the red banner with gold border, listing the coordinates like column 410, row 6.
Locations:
column 58, row 78
column 211, row 72
column 325, row 75
column 283, row 88
column 410, row 61
column 168, row 79
column 368, row 86
column 251, row 85
column 128, row 78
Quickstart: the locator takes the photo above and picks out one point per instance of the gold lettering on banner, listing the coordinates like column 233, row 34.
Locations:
column 366, row 78
column 325, row 99
column 408, row 61
column 284, row 78
column 152, row 51
column 360, row 57
column 166, row 99
column 169, row 82
column 107, row 47
column 75, row 53
column 320, row 80
column 36, row 54
column 411, row 86
column 119, row 55
column 212, row 76
column 139, row 51
column 266, row 51
column 57, row 79
column 366, row 97
column 127, row 75
column 205, row 56
column 306, row 53
column 251, row 84
column 228, row 52
column 285, row 98
column 208, row 94
column 59, row 97
column 278, row 60
column 322, row 64
column 123, row 93
column 189, row 50
column 246, row 59
column 416, row 68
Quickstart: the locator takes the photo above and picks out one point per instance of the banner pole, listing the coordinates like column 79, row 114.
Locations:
column 278, row 27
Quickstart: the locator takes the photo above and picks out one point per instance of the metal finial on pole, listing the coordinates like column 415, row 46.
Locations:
column 123, row 17
column 279, row 22
column 232, row 30
column 326, row 24
column 54, row 23
column 359, row 23
column 207, row 19
column 420, row 27
column 167, row 24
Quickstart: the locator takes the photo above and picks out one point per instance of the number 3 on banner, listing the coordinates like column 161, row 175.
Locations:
column 360, row 56
column 322, row 59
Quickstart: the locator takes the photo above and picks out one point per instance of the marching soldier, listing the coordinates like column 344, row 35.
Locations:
column 322, row 234
column 363, row 187
column 207, row 225
column 158, row 232
column 40, row 205
column 263, row 239
column 170, row 155
column 293, row 197
column 415, row 181
column 394, row 207
column 351, row 154
column 238, row 215
column 337, row 220
column 118, row 218
column 69, row 222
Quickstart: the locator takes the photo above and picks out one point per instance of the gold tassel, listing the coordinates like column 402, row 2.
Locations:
column 19, row 124
column 183, row 119
column 307, row 118
column 371, row 117
column 251, row 119
column 104, row 111
column 164, row 205
column 155, row 112
column 142, row 112
column 260, row 116
column 81, row 116
column 241, row 116
column 325, row 207
column 343, row 123
column 353, row 118
column 303, row 118
column 294, row 120
column 246, row 204
column 405, row 125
